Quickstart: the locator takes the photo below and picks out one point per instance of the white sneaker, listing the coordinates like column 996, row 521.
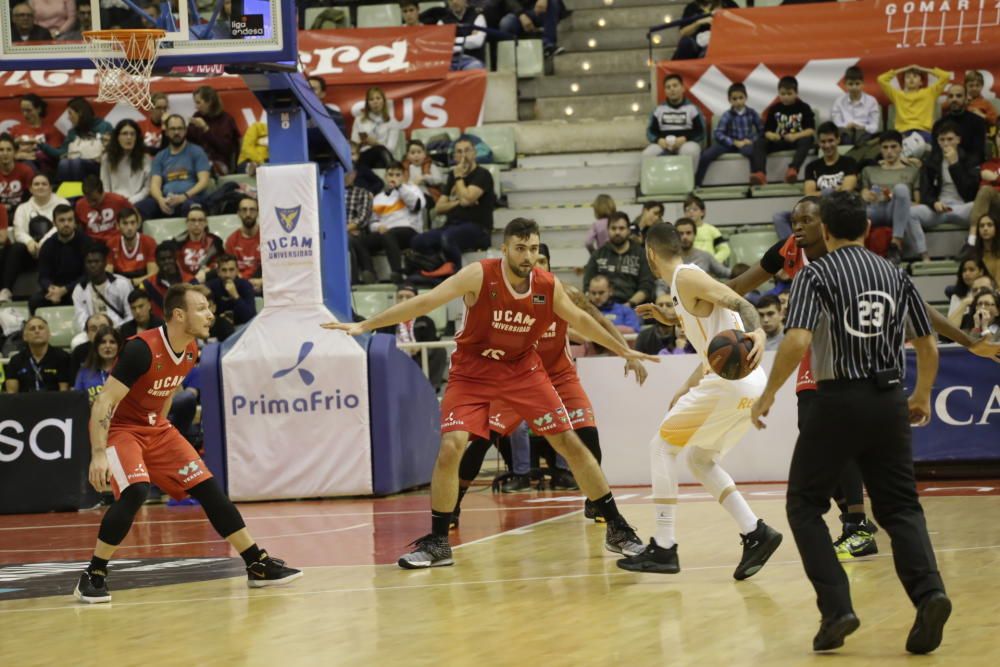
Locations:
column 6, row 295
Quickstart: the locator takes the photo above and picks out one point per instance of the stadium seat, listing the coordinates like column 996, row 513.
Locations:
column 60, row 319
column 530, row 60
column 666, row 178
column 424, row 6
column 500, row 139
column 224, row 225
column 425, row 134
column 368, row 303
column 723, row 192
column 164, row 228
column 494, row 170
column 778, row 190
column 748, row 247
column 379, row 16
column 20, row 308
column 258, row 303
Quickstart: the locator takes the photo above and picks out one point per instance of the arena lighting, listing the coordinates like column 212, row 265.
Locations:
column 666, row 18
column 601, row 23
column 657, row 39
column 640, row 84
column 635, row 107
column 575, row 87
column 585, row 65
column 569, row 111
column 591, row 42
column 609, row 2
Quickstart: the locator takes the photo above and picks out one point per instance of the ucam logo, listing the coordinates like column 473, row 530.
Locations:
column 288, row 245
column 990, row 408
column 314, row 401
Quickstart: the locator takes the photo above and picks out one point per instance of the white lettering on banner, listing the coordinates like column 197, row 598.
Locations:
column 941, row 406
column 316, row 401
column 374, row 60
column 432, row 106
column 64, row 425
column 250, row 118
column 930, row 18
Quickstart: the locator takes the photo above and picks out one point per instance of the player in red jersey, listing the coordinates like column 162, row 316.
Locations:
column 133, row 444
column 509, row 304
column 132, row 255
column 97, row 211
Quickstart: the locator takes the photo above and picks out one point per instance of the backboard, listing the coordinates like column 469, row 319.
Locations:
column 199, row 32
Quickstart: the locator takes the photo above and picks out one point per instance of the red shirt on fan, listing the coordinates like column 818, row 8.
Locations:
column 152, row 135
column 132, row 263
column 152, row 371
column 994, row 166
column 15, row 184
column 192, row 254
column 4, row 224
column 26, row 134
column 101, row 222
column 246, row 251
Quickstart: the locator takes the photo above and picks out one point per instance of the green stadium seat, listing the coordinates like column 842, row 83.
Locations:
column 945, row 267
column 666, row 178
column 258, row 303
column 500, row 139
column 164, row 228
column 778, row 190
column 368, row 302
column 425, row 134
column 224, row 225
column 530, row 58
column 379, row 16
column 749, row 246
column 723, row 192
column 60, row 319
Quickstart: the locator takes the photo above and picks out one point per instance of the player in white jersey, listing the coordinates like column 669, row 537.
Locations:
column 708, row 416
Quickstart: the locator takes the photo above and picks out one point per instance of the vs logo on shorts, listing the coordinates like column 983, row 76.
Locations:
column 288, row 217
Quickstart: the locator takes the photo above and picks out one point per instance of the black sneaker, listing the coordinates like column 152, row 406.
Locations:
column 553, row 50
column 428, row 551
column 620, row 538
column 267, row 571
column 92, row 587
column 590, row 512
column 563, row 480
column 932, row 613
column 653, row 558
column 757, row 548
column 833, row 630
column 515, row 484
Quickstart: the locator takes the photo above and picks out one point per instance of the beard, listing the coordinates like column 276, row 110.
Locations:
column 176, row 141
column 520, row 271
column 618, row 242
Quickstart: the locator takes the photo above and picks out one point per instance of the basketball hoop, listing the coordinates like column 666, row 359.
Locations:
column 124, row 61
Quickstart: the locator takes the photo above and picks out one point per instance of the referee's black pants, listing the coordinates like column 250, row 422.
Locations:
column 855, row 420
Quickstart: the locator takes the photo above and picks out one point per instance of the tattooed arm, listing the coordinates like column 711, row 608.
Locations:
column 584, row 304
column 100, row 421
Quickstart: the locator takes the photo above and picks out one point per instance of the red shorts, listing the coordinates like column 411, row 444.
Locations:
column 504, row 418
column 526, row 389
column 154, row 454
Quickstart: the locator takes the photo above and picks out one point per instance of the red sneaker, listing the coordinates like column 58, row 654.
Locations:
column 758, row 178
column 443, row 271
column 791, row 175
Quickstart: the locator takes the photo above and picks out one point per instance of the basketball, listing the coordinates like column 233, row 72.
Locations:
column 728, row 354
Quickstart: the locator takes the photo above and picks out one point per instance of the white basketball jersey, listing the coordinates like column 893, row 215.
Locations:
column 701, row 330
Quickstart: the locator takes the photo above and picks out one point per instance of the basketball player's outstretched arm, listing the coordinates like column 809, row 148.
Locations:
column 790, row 352
column 694, row 286
column 464, row 284
column 583, row 303
column 100, row 421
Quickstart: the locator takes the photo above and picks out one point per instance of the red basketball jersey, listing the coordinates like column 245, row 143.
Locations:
column 503, row 325
column 553, row 348
column 143, row 404
column 101, row 222
column 127, row 261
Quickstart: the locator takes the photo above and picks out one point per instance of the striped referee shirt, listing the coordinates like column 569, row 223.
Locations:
column 857, row 305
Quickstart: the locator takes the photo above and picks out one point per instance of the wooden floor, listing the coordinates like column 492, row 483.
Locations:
column 532, row 585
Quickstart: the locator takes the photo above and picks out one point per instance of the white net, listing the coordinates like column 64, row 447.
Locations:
column 124, row 61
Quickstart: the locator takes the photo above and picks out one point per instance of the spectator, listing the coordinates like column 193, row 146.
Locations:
column 375, row 132
column 56, row 16
column 532, row 18
column 987, row 247
column 949, row 181
column 168, row 272
column 23, row 26
column 411, row 13
column 132, row 254
column 423, row 172
column 675, row 127
column 687, row 232
column 914, row 104
column 856, row 114
column 80, row 154
column 34, row 131
column 738, row 129
column 769, row 310
column 708, row 237
column 624, row 263
column 318, row 85
column 659, row 338
column 15, row 177
column 83, row 341
column 468, row 52
column 142, row 315
column 126, row 166
column 31, row 227
column 152, row 128
column 5, row 294
column 60, row 261
column 99, row 291
column 890, row 189
column 396, row 219
column 254, row 150
column 420, row 330
column 180, row 174
column 221, row 328
column 100, row 360
column 972, row 274
column 695, row 36
column 974, row 84
column 620, row 315
column 971, row 125
column 84, row 22
column 244, row 243
column 985, row 315
column 359, row 212
column 467, row 202
column 40, row 367
column 214, row 130
column 198, row 248
column 790, row 125
column 603, row 207
column 988, row 195
column 97, row 211
column 651, row 213
column 233, row 296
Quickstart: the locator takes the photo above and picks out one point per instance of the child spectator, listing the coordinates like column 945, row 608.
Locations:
column 707, row 237
column 676, row 127
column 411, row 12
column 396, row 219
column 375, row 132
column 790, row 125
column 856, row 114
column 603, row 206
column 974, row 84
column 736, row 132
column 422, row 172
column 914, row 104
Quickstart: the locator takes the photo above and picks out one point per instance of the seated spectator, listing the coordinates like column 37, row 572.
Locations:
column 358, row 207
column 603, row 206
column 60, row 262
column 771, row 321
column 988, row 196
column 659, row 338
column 152, row 128
column 126, row 166
column 56, row 16
column 168, row 272
column 214, row 130
column 624, row 263
column 100, row 360
column 318, row 85
column 949, row 181
column 375, row 132
column 467, row 202
column 244, row 243
column 31, row 227
column 420, row 330
column 34, row 131
column 985, row 315
column 619, row 314
column 5, row 294
column 651, row 213
column 97, row 211
column 253, row 150
column 23, row 27
column 971, row 125
column 987, row 247
column 974, row 84
column 80, row 154
column 687, row 232
column 198, row 248
column 221, row 328
column 469, row 51
column 675, row 127
column 542, row 16
column 180, row 174
column 40, row 367
column 708, row 237
column 132, row 254
column 142, row 315
column 233, row 296
column 695, row 36
column 856, row 114
column 15, row 177
column 99, row 291
column 738, row 129
column 789, row 125
column 972, row 274
column 410, row 11
column 397, row 217
column 423, row 172
column 83, row 341
column 890, row 189
column 914, row 104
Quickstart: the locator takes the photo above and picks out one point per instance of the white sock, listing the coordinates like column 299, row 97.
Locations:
column 718, row 482
column 663, row 464
column 664, row 535
column 740, row 511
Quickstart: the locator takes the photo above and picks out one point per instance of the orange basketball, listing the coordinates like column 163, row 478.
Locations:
column 728, row 354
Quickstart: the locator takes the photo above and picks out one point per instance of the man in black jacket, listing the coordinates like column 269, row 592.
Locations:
column 949, row 181
column 60, row 261
column 624, row 262
column 971, row 126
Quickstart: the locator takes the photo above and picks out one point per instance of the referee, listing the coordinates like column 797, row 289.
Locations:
column 854, row 308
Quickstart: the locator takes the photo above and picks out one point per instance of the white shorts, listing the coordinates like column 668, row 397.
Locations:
column 715, row 414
